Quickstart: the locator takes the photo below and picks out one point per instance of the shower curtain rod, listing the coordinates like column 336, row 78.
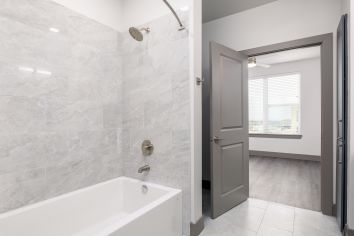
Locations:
column 175, row 14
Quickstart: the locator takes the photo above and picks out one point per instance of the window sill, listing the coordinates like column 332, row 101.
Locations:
column 280, row 136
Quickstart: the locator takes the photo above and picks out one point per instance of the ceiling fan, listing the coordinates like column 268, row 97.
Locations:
column 252, row 63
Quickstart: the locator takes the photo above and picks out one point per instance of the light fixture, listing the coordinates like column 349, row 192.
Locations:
column 26, row 69
column 185, row 8
column 252, row 62
column 44, row 72
column 54, row 30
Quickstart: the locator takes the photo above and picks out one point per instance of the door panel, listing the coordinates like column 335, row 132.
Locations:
column 231, row 99
column 231, row 167
column 229, row 129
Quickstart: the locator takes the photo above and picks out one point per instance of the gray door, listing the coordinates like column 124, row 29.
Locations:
column 342, row 122
column 229, row 129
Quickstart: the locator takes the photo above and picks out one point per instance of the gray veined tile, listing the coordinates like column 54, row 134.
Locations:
column 60, row 129
column 21, row 114
column 86, row 121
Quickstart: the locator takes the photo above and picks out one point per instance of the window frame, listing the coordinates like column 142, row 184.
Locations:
column 279, row 135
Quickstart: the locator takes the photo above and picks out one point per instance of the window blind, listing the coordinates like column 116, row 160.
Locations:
column 274, row 104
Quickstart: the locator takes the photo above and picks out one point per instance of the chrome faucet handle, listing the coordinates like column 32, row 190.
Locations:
column 147, row 148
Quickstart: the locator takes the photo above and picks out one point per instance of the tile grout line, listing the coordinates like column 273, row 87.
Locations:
column 265, row 211
column 293, row 233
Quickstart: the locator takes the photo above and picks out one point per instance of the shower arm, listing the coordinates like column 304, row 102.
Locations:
column 175, row 14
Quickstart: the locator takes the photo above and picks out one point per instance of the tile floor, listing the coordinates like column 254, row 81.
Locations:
column 262, row 218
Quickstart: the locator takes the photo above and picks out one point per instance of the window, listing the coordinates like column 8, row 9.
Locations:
column 274, row 104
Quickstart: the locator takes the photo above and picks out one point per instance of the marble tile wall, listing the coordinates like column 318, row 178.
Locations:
column 84, row 122
column 156, row 105
column 60, row 102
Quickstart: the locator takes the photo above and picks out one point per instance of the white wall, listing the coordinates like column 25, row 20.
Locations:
column 276, row 22
column 122, row 14
column 310, row 143
column 195, row 35
column 280, row 21
column 107, row 12
column 137, row 12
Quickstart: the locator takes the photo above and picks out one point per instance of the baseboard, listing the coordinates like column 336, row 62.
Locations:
column 285, row 155
column 334, row 210
column 348, row 232
column 197, row 228
column 206, row 184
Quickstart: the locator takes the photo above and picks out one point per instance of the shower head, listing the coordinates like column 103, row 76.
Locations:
column 137, row 34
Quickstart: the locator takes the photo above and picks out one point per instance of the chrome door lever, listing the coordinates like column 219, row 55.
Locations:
column 217, row 139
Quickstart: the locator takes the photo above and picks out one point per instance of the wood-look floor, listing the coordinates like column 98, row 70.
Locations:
column 291, row 182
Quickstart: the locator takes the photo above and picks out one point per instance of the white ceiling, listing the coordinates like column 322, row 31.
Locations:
column 290, row 55
column 215, row 9
column 122, row 14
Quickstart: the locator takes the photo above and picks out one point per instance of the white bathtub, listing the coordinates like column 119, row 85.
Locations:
column 120, row 207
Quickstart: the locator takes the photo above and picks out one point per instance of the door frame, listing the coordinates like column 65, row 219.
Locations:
column 327, row 107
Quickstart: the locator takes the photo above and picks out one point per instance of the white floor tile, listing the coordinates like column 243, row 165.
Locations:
column 310, row 231
column 270, row 231
column 229, row 231
column 261, row 218
column 307, row 221
column 257, row 203
column 279, row 216
column 246, row 216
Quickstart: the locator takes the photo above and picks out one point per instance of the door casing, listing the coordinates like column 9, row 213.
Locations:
column 325, row 41
column 342, row 123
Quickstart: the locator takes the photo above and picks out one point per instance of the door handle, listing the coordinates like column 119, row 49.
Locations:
column 217, row 139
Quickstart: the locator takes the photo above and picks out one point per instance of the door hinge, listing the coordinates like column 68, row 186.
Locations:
column 199, row 81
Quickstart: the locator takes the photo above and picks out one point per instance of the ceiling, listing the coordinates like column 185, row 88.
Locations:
column 290, row 55
column 215, row 9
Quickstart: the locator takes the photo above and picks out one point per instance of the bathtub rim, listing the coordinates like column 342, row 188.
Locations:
column 108, row 230
column 170, row 192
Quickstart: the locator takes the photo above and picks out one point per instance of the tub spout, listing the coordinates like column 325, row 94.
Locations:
column 145, row 168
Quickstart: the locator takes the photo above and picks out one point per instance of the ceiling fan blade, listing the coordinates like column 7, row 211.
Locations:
column 263, row 65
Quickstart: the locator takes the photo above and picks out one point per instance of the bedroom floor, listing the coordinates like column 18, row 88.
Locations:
column 291, row 182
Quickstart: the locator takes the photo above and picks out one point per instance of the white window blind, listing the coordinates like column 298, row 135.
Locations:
column 274, row 104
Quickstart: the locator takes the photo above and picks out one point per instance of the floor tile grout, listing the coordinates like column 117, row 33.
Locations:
column 265, row 211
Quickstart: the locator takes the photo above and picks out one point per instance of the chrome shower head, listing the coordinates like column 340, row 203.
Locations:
column 137, row 34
